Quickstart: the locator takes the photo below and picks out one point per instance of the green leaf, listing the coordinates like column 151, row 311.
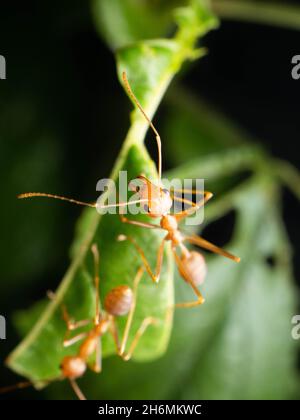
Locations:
column 150, row 67
column 47, row 335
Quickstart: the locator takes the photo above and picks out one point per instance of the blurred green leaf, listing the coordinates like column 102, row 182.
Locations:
column 252, row 355
column 136, row 20
column 225, row 148
column 212, row 133
column 123, row 22
column 283, row 14
column 150, row 67
column 26, row 168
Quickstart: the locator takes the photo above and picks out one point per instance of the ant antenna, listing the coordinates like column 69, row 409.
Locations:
column 57, row 197
column 135, row 100
column 80, row 203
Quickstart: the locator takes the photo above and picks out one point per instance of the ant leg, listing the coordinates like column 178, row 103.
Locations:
column 77, row 390
column 97, row 367
column 75, row 339
column 159, row 259
column 113, row 328
column 136, row 282
column 203, row 243
column 194, row 206
column 114, row 332
column 136, row 223
column 144, row 325
column 200, row 298
column 71, row 325
column 95, row 252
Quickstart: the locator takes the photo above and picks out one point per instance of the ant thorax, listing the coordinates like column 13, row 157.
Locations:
column 169, row 223
column 103, row 326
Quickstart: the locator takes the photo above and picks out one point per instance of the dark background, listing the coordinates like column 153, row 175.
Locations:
column 62, row 95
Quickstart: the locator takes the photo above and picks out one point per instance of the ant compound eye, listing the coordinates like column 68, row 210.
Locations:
column 137, row 188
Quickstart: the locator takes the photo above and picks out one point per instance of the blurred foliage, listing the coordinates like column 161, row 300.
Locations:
column 270, row 12
column 134, row 20
column 237, row 345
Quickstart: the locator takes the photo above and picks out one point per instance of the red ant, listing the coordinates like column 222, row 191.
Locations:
column 120, row 301
column 159, row 200
column 191, row 264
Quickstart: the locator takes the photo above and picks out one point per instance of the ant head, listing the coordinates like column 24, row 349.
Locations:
column 73, row 367
column 119, row 301
column 158, row 200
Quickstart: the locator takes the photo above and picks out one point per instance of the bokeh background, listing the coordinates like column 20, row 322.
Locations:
column 63, row 117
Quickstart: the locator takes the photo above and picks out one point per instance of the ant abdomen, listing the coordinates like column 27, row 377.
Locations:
column 73, row 367
column 119, row 301
column 194, row 266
